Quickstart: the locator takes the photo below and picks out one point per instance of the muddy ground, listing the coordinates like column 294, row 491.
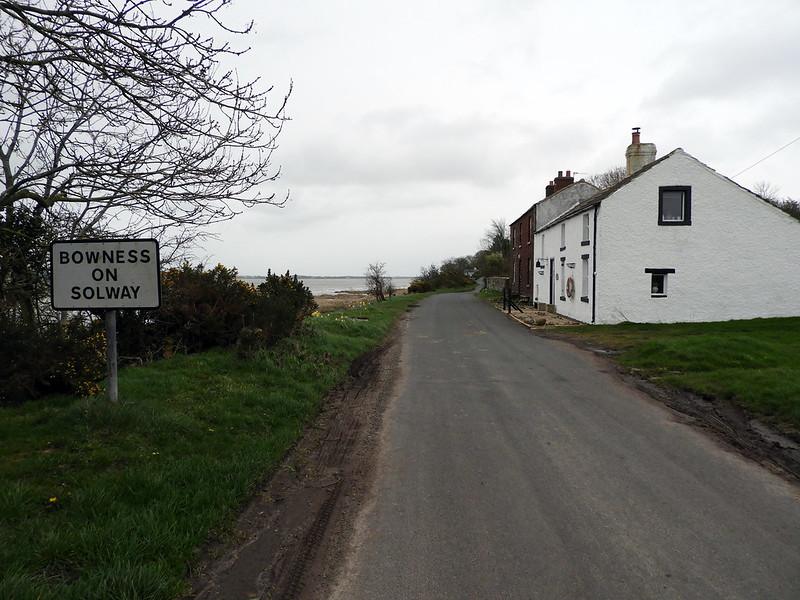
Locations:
column 289, row 541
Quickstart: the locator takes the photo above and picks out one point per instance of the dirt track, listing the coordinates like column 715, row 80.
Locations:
column 280, row 549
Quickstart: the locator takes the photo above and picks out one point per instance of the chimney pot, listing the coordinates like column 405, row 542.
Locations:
column 638, row 155
column 569, row 174
column 561, row 173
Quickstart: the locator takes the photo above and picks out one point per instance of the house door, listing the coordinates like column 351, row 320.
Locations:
column 552, row 281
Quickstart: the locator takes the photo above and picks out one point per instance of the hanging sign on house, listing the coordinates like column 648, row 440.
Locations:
column 105, row 274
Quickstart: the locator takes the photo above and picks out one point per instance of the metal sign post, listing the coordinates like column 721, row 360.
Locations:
column 105, row 275
column 111, row 354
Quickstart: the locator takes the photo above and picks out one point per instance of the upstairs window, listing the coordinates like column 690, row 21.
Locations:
column 585, row 240
column 563, row 236
column 675, row 205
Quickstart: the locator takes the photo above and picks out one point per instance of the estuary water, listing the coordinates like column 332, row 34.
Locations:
column 332, row 285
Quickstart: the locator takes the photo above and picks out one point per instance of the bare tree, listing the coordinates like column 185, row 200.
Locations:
column 377, row 281
column 496, row 238
column 767, row 191
column 608, row 178
column 119, row 117
column 770, row 193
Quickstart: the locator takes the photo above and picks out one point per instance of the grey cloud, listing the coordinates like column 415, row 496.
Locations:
column 732, row 67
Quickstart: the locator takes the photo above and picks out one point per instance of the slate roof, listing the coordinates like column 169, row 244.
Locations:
column 533, row 206
column 599, row 197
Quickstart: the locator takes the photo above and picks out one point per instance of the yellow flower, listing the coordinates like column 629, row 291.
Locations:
column 53, row 499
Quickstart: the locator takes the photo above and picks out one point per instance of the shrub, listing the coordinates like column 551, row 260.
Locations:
column 419, row 286
column 281, row 304
column 50, row 358
column 450, row 274
column 202, row 308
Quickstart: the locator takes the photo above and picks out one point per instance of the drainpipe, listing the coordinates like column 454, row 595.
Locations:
column 594, row 263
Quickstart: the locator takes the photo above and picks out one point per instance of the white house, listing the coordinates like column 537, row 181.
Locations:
column 674, row 241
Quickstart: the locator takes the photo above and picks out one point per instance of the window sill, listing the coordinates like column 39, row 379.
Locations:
column 668, row 223
column 585, row 243
column 563, row 248
column 658, row 295
column 585, row 299
column 563, row 297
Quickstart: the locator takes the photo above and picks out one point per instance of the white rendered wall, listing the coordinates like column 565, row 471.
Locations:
column 739, row 259
column 573, row 307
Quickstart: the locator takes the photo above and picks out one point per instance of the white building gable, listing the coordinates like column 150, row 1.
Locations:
column 704, row 250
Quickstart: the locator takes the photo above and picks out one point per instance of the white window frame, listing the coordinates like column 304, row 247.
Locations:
column 585, row 278
column 586, row 232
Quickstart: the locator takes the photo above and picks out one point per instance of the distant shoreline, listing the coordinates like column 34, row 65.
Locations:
column 325, row 276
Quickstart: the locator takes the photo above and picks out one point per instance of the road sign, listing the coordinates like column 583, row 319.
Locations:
column 89, row 274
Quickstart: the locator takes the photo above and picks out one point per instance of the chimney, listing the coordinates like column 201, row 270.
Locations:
column 559, row 183
column 638, row 155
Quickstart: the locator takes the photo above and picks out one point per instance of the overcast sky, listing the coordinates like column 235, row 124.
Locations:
column 416, row 123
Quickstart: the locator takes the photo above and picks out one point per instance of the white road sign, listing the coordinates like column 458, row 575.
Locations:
column 105, row 274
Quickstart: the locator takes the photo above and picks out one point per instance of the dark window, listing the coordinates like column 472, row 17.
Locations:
column 658, row 282
column 675, row 205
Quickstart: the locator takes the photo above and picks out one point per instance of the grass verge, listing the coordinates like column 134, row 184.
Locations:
column 754, row 363
column 490, row 295
column 111, row 501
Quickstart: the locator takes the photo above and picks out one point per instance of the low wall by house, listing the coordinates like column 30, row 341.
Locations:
column 495, row 283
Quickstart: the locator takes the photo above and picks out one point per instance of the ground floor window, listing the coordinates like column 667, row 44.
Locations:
column 658, row 282
column 563, row 280
column 585, row 278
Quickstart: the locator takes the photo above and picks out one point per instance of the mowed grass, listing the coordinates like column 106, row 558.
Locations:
column 112, row 501
column 754, row 363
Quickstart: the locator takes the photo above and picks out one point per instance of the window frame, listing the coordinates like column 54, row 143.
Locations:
column 585, row 278
column 587, row 221
column 659, row 273
column 563, row 235
column 687, row 204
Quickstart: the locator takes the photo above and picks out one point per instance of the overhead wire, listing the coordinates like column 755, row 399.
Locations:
column 758, row 162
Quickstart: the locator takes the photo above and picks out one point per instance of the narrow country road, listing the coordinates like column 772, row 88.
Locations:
column 513, row 467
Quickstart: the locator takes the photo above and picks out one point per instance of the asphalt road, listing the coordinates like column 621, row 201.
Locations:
column 514, row 467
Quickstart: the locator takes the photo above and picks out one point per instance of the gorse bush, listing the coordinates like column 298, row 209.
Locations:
column 200, row 309
column 43, row 359
column 281, row 303
column 203, row 308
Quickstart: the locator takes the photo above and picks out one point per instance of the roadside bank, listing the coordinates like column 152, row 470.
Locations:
column 108, row 501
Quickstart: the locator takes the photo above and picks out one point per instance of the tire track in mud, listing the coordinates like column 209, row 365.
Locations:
column 274, row 551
